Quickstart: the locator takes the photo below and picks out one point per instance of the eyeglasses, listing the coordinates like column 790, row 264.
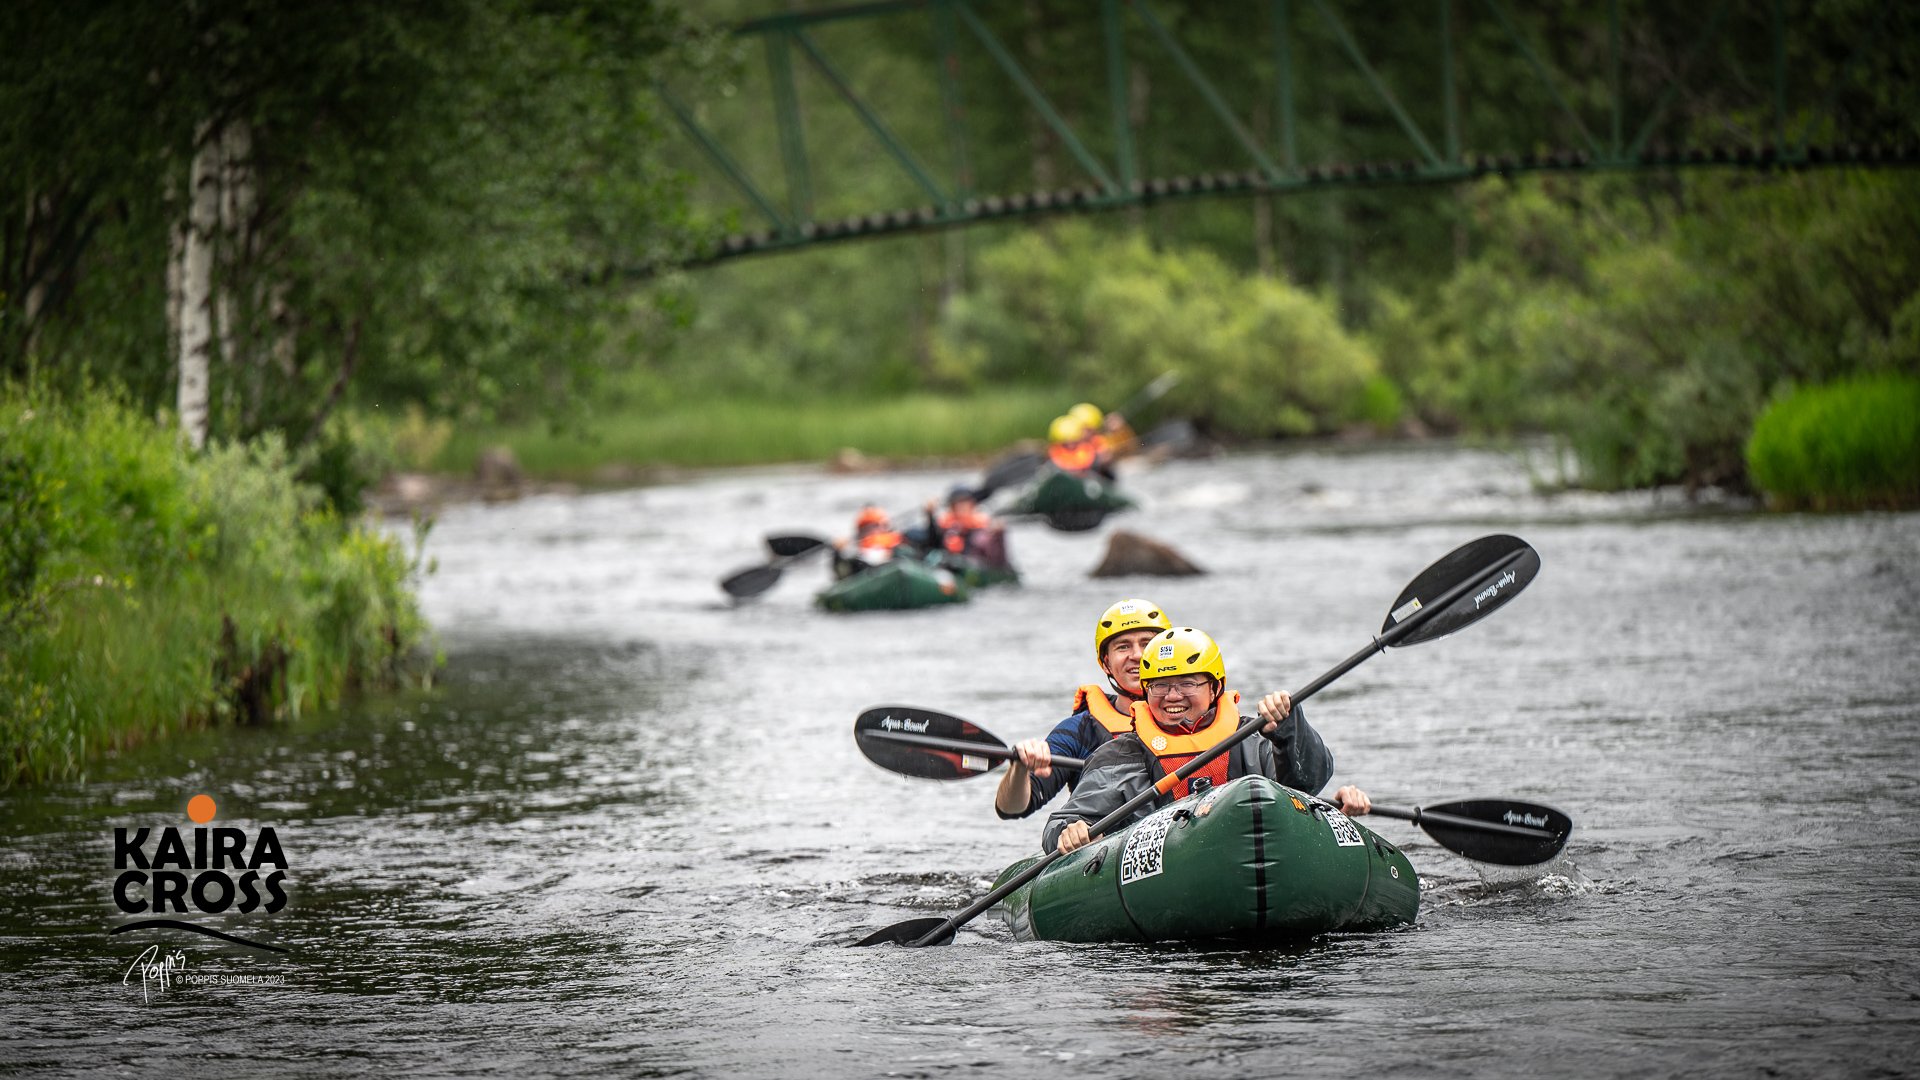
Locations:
column 1192, row 684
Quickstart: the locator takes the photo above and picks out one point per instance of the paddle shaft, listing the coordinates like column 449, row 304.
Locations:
column 1201, row 761
column 961, row 746
column 1073, row 764
column 770, row 571
column 1149, row 393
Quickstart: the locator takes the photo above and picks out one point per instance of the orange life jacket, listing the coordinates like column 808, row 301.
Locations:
column 1171, row 749
column 1073, row 457
column 955, row 526
column 1095, row 701
column 881, row 541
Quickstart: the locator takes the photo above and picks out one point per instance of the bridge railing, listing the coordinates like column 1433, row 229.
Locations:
column 1774, row 88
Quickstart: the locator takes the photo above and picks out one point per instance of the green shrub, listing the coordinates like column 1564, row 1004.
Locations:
column 1848, row 444
column 1645, row 325
column 144, row 589
column 1258, row 357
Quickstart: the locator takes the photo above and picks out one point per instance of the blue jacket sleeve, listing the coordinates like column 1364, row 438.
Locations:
column 1067, row 739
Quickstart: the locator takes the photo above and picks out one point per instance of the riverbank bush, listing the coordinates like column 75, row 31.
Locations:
column 1846, row 445
column 145, row 589
column 1648, row 327
column 1258, row 357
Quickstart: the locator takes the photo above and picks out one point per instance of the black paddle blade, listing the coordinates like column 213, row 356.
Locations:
column 906, row 933
column 751, row 582
column 927, row 762
column 1461, row 564
column 1009, row 470
column 788, row 546
column 1505, row 849
column 1077, row 520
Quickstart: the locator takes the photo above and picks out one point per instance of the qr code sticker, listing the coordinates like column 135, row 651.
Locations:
column 1345, row 832
column 1146, row 845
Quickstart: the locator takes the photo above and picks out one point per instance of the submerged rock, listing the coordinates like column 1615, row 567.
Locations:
column 1130, row 554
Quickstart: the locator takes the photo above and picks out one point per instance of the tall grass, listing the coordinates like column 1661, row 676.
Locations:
column 709, row 432
column 145, row 589
column 1849, row 444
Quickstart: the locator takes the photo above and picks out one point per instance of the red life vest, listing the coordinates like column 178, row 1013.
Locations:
column 1073, row 457
column 1095, row 701
column 1171, row 749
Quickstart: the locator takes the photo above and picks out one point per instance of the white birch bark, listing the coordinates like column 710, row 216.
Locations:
column 196, row 290
column 227, row 247
column 234, row 251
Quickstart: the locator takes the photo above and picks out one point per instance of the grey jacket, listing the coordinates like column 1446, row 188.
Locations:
column 1294, row 755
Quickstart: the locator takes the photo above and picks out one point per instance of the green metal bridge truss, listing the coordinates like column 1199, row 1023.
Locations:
column 1789, row 123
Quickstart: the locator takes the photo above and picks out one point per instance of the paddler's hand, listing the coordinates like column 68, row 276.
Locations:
column 1035, row 756
column 1075, row 835
column 1352, row 801
column 1273, row 709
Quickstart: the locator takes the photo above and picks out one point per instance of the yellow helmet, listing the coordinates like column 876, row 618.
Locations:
column 1182, row 651
column 1066, row 429
column 1088, row 414
column 1133, row 614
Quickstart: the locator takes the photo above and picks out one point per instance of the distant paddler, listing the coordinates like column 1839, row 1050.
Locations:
column 1111, row 436
column 963, row 528
column 1188, row 709
column 1069, row 447
column 874, row 542
column 1120, row 636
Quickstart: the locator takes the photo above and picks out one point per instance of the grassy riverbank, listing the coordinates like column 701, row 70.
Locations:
column 1850, row 444
column 145, row 589
column 706, row 432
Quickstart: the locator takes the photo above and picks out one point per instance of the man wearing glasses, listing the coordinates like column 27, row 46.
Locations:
column 1187, row 710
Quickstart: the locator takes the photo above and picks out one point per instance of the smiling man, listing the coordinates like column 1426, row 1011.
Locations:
column 1187, row 709
column 1120, row 636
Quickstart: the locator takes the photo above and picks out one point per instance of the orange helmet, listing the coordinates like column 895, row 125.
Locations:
column 871, row 515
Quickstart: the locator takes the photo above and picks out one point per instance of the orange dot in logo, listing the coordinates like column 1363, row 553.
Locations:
column 200, row 808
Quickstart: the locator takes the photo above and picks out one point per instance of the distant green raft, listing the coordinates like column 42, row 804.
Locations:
column 1251, row 861
column 974, row 573
column 1070, row 501
column 899, row 584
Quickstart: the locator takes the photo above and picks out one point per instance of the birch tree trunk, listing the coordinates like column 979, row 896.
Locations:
column 196, row 288
column 39, row 211
column 235, row 258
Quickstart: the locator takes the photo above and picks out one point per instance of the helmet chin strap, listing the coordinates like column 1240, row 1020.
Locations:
column 1122, row 691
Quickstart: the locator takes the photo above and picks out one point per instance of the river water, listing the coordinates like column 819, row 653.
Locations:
column 629, row 833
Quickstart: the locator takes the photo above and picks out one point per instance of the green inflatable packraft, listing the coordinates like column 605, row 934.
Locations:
column 974, row 572
column 1070, row 501
column 897, row 585
column 1250, row 861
